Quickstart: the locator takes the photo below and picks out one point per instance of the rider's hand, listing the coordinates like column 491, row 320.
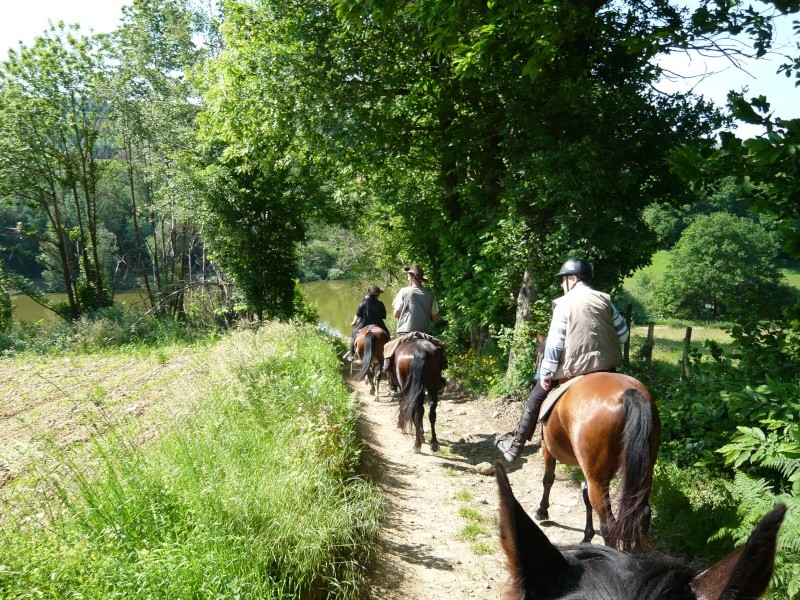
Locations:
column 546, row 382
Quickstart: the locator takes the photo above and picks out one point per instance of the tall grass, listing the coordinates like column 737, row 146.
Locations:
column 254, row 496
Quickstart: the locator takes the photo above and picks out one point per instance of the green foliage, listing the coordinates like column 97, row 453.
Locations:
column 721, row 264
column 758, row 387
column 333, row 252
column 756, row 498
column 112, row 327
column 689, row 506
column 253, row 495
column 768, row 163
column 479, row 373
column 669, row 222
column 739, row 412
column 254, row 226
column 52, row 123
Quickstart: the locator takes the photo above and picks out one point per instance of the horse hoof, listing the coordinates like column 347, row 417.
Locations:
column 417, row 449
column 542, row 515
column 434, row 446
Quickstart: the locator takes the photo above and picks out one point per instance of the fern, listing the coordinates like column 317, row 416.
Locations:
column 756, row 498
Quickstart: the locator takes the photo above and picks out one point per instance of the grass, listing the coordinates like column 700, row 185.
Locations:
column 253, row 496
column 791, row 271
column 464, row 495
column 475, row 529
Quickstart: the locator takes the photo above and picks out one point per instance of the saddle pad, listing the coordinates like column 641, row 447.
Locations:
column 553, row 397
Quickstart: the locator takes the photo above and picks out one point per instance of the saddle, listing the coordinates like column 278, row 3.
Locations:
column 553, row 396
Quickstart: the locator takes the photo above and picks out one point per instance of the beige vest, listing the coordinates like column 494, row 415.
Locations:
column 591, row 343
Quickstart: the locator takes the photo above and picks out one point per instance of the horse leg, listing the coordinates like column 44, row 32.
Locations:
column 599, row 499
column 547, row 483
column 379, row 369
column 588, row 530
column 371, row 377
column 419, row 412
column 433, row 397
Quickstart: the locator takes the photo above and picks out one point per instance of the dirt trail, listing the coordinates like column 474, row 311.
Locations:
column 423, row 551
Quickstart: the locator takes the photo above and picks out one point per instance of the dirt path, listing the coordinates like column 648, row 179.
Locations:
column 439, row 534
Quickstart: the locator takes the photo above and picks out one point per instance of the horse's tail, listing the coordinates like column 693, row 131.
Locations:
column 629, row 529
column 366, row 360
column 413, row 392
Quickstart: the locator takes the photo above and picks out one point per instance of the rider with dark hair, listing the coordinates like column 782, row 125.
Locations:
column 586, row 334
column 370, row 311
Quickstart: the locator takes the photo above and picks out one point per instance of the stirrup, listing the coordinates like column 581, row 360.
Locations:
column 501, row 437
column 505, row 443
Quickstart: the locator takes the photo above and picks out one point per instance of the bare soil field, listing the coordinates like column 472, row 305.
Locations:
column 56, row 404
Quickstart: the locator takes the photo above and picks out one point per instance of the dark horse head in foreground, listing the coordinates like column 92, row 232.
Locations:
column 539, row 570
column 370, row 341
column 418, row 368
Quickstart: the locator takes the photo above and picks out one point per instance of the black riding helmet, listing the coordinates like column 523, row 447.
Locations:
column 576, row 266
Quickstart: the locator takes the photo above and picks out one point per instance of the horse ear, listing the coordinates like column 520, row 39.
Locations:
column 539, row 337
column 745, row 572
column 534, row 563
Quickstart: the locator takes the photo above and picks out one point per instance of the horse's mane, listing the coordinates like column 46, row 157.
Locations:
column 602, row 573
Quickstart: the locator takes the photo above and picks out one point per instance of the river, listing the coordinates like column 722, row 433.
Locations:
column 336, row 301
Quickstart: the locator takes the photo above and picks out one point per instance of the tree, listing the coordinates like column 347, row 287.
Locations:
column 721, row 264
column 264, row 173
column 728, row 196
column 768, row 164
column 517, row 134
column 153, row 108
column 52, row 123
column 5, row 301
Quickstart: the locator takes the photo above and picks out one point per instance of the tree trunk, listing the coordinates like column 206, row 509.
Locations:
column 525, row 297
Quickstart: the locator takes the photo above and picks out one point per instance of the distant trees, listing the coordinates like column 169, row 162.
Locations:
column 96, row 138
column 722, row 265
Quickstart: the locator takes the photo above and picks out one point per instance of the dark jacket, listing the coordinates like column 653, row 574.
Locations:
column 371, row 311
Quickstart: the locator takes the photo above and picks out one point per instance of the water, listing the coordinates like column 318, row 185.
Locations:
column 28, row 311
column 336, row 301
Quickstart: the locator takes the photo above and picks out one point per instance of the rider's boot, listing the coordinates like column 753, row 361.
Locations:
column 511, row 448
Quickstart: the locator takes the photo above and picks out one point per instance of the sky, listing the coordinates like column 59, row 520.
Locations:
column 26, row 19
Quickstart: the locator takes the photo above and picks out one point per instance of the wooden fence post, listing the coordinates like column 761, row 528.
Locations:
column 687, row 341
column 648, row 347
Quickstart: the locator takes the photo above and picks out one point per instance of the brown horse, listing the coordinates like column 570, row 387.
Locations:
column 540, row 570
column 370, row 341
column 417, row 366
column 604, row 423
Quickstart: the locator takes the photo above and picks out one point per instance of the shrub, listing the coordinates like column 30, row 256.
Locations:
column 721, row 263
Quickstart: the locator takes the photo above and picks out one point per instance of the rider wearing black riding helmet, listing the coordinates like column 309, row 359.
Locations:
column 586, row 334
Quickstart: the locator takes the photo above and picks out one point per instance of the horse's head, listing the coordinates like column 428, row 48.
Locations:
column 540, row 570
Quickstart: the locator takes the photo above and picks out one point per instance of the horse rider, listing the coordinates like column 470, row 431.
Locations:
column 370, row 311
column 586, row 334
column 415, row 308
